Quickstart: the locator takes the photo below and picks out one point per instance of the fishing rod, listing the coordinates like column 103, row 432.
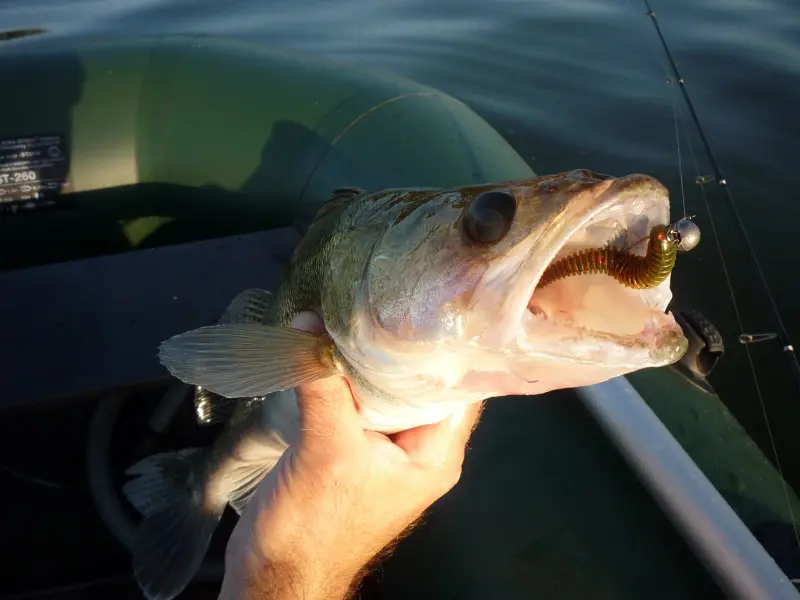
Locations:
column 782, row 335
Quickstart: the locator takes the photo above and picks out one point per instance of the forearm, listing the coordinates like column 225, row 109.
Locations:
column 252, row 579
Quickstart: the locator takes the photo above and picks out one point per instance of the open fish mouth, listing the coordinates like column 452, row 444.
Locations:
column 594, row 317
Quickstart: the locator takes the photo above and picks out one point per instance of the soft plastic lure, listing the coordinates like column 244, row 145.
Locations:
column 637, row 272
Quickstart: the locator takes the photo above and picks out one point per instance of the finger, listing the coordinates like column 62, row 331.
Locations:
column 472, row 416
column 309, row 321
column 327, row 409
column 463, row 429
column 439, row 444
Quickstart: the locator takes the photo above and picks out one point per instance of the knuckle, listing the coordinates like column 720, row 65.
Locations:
column 449, row 478
column 330, row 464
column 338, row 468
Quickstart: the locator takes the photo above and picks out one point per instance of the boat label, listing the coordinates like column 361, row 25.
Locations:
column 34, row 172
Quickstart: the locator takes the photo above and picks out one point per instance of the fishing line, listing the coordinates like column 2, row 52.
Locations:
column 32, row 479
column 675, row 111
column 735, row 304
column 722, row 183
column 788, row 349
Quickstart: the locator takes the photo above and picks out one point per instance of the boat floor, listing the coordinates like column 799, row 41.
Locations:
column 546, row 508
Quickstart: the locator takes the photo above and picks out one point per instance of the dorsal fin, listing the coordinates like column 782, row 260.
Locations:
column 339, row 197
column 249, row 306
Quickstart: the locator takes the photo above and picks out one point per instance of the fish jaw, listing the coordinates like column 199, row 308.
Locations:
column 583, row 329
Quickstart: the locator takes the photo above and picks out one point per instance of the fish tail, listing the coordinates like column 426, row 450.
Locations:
column 179, row 518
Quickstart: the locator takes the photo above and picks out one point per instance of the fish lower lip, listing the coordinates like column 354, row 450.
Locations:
column 648, row 339
column 599, row 303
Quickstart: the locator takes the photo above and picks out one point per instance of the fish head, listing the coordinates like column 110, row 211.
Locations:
column 449, row 298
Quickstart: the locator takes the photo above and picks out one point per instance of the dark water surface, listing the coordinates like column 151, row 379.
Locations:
column 579, row 83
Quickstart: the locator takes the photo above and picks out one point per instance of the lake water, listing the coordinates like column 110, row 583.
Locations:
column 578, row 83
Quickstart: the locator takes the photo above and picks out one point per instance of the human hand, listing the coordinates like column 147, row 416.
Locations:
column 339, row 496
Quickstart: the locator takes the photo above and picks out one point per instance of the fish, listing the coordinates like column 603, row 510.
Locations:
column 429, row 302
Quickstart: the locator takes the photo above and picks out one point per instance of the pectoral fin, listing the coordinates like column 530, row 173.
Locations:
column 247, row 359
column 249, row 306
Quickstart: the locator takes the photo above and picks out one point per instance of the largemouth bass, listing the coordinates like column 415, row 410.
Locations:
column 429, row 299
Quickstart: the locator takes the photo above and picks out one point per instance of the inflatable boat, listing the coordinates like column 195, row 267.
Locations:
column 145, row 182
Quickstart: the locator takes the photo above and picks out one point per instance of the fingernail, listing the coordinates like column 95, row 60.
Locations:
column 307, row 321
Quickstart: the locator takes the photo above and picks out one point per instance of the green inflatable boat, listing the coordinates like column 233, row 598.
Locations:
column 147, row 181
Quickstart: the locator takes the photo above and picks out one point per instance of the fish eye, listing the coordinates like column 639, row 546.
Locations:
column 488, row 216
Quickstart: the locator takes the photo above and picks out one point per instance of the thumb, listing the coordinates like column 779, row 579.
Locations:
column 443, row 443
column 327, row 408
